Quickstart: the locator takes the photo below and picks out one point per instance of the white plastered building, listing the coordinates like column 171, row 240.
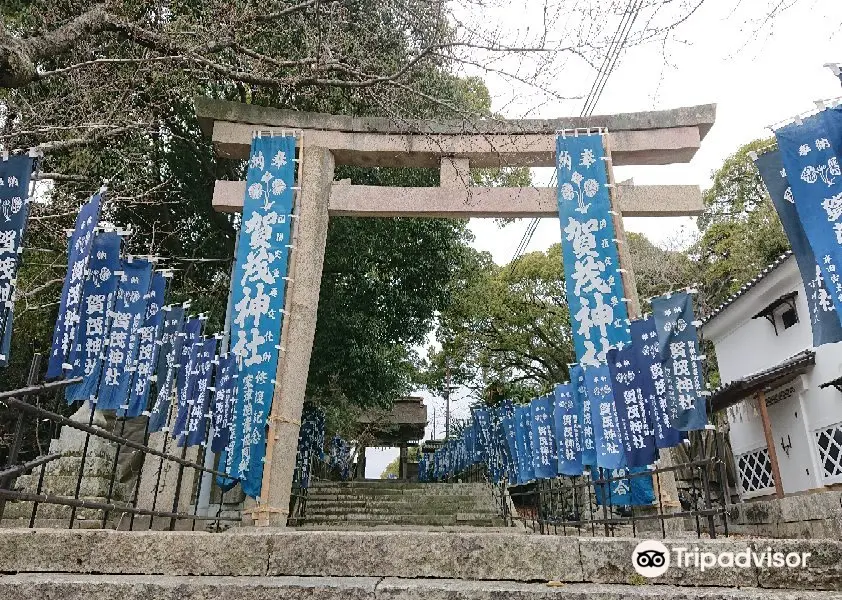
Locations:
column 781, row 395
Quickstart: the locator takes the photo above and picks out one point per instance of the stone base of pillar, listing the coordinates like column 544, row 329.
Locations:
column 158, row 492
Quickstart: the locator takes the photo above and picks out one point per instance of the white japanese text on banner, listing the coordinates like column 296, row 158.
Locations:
column 591, row 261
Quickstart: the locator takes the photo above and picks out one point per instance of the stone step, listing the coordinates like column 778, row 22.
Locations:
column 468, row 555
column 385, row 511
column 411, row 519
column 145, row 587
column 389, row 525
column 443, row 503
column 405, row 527
column 397, row 497
column 428, row 490
column 394, row 483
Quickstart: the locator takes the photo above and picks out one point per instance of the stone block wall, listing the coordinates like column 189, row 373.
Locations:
column 805, row 516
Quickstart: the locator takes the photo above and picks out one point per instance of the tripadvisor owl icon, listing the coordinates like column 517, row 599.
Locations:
column 651, row 558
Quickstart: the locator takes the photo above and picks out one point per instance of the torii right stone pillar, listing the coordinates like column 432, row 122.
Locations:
column 302, row 305
column 666, row 489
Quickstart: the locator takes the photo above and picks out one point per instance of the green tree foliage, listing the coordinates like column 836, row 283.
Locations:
column 741, row 232
column 507, row 333
column 116, row 104
column 393, row 468
column 658, row 270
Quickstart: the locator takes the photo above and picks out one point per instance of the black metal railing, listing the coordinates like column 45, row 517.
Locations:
column 585, row 505
column 32, row 479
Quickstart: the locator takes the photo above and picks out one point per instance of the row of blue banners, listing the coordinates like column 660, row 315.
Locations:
column 614, row 416
column 605, row 340
column 115, row 333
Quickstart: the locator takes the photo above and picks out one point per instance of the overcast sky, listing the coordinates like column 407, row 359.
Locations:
column 755, row 81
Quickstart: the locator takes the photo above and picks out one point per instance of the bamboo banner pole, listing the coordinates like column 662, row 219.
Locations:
column 666, row 492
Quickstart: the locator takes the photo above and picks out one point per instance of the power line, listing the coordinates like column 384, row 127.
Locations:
column 609, row 62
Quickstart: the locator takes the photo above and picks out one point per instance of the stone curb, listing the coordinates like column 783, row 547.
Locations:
column 144, row 587
column 417, row 554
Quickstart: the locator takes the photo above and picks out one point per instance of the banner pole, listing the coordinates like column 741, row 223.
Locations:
column 666, row 490
column 262, row 512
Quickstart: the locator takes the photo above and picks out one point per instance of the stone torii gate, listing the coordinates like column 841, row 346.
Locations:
column 645, row 138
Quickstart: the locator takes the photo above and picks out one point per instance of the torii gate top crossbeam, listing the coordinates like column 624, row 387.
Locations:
column 642, row 138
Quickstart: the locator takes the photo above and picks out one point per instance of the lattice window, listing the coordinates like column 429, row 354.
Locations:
column 829, row 442
column 755, row 471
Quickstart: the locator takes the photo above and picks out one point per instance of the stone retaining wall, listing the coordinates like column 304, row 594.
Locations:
column 805, row 516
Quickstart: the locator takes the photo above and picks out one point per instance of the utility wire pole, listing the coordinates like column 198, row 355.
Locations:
column 447, row 400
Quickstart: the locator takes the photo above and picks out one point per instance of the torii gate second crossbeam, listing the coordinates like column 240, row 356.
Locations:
column 646, row 138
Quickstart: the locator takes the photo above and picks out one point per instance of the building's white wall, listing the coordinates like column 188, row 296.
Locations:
column 750, row 345
column 745, row 346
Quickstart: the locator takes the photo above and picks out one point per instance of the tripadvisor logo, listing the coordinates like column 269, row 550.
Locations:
column 652, row 558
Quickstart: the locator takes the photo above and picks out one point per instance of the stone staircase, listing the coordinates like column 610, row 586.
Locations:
column 267, row 564
column 391, row 503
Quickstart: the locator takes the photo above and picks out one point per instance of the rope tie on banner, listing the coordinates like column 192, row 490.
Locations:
column 260, row 510
column 277, row 419
column 799, row 119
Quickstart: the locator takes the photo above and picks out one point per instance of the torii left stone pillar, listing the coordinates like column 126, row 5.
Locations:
column 302, row 305
column 649, row 138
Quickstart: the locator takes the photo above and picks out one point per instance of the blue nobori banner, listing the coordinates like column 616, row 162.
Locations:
column 70, row 306
column 591, row 260
column 810, row 150
column 98, row 298
column 197, row 419
column 632, row 410
column 187, row 390
column 127, row 318
column 678, row 342
column 608, row 435
column 544, row 453
column 825, row 322
column 523, row 438
column 481, row 418
column 171, row 341
column 258, row 299
column 655, row 385
column 223, row 408
column 567, row 414
column 147, row 353
column 192, row 332
column 15, row 176
column 579, row 388
column 506, row 417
